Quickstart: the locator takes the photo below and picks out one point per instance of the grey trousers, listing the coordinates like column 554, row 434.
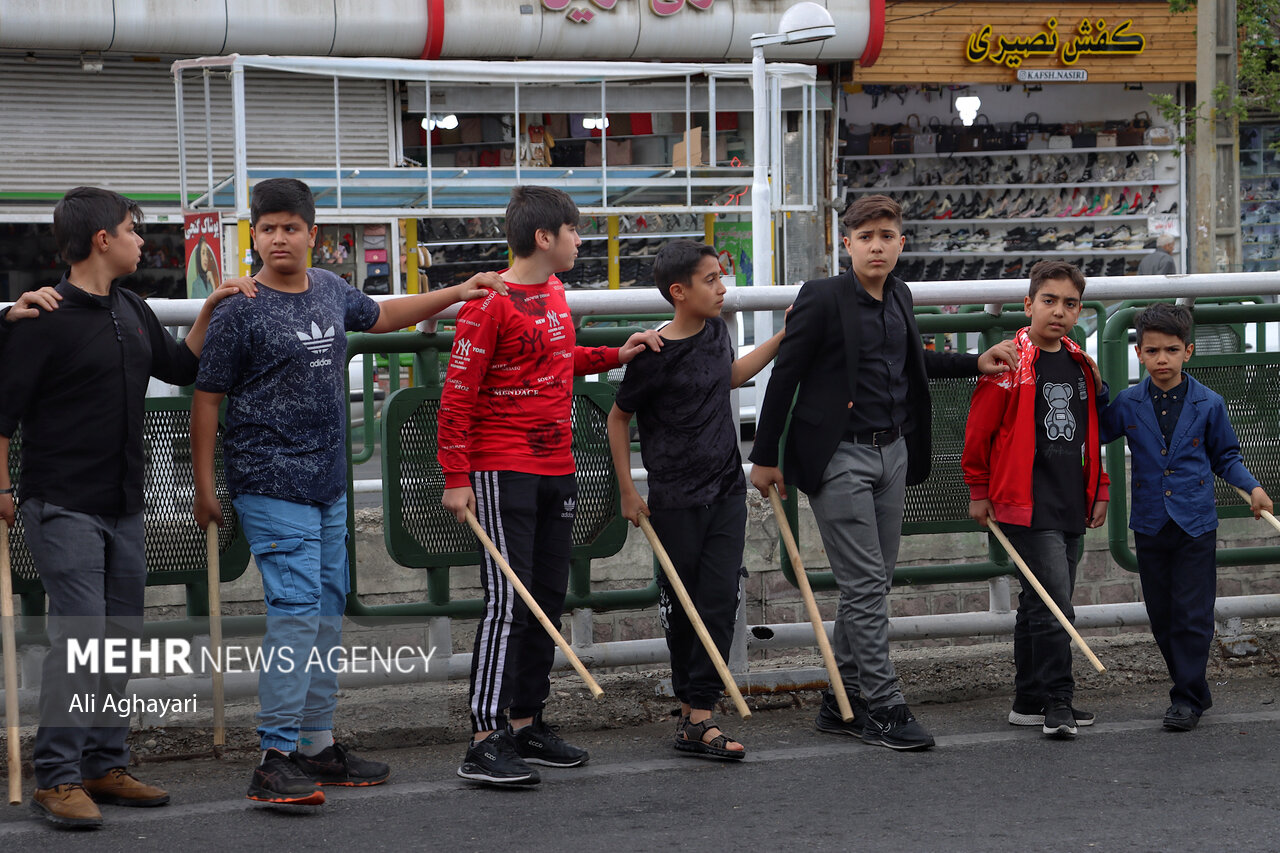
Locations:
column 94, row 571
column 858, row 508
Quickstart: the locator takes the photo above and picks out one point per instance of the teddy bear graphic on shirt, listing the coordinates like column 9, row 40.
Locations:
column 1059, row 423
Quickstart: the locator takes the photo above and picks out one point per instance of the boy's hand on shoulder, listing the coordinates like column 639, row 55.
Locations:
column 458, row 501
column 633, row 506
column 980, row 511
column 1093, row 365
column 1259, row 502
column 1098, row 517
column 245, row 285
column 479, row 285
column 7, row 510
column 1001, row 358
column 29, row 303
column 637, row 342
column 764, row 476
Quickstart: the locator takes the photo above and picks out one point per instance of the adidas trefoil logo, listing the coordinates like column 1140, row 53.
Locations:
column 317, row 341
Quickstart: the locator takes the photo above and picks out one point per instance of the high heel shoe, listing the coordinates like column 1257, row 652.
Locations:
column 944, row 210
column 1068, row 209
column 1122, row 206
column 1102, row 206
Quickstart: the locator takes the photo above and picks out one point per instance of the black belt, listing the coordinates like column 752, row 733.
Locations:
column 875, row 438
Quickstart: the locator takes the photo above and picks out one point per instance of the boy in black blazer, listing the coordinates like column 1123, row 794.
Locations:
column 853, row 361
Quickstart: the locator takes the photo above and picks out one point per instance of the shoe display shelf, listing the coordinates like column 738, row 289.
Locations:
column 988, row 206
column 458, row 248
column 1260, row 198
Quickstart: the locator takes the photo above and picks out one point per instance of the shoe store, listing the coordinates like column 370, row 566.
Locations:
column 1014, row 132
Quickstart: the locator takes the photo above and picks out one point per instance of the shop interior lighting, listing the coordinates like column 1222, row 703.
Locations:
column 968, row 106
column 448, row 122
column 91, row 62
column 595, row 122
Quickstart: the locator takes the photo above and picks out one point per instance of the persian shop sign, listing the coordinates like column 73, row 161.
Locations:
column 1092, row 38
column 582, row 15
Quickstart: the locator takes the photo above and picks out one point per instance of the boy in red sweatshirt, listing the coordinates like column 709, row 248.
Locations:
column 1032, row 461
column 505, row 446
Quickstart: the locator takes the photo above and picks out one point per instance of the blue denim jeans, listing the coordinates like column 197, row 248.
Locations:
column 301, row 551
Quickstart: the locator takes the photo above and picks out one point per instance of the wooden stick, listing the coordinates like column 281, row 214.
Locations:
column 994, row 526
column 534, row 608
column 215, row 637
column 664, row 560
column 1268, row 516
column 9, row 650
column 811, row 607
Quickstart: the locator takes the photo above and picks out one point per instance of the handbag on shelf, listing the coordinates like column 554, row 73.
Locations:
column 1136, row 131
column 904, row 139
column 1085, row 138
column 1059, row 141
column 1158, row 136
column 1106, row 139
column 926, row 138
column 881, row 140
column 857, row 139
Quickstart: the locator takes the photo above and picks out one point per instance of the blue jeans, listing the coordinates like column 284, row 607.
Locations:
column 301, row 551
column 94, row 570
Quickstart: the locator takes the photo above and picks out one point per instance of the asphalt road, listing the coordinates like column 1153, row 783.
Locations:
column 1123, row 785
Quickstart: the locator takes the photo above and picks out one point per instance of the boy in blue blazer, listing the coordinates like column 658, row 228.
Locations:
column 1179, row 437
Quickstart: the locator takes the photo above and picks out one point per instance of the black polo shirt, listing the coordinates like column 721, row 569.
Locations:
column 1168, row 407
column 882, row 362
column 76, row 379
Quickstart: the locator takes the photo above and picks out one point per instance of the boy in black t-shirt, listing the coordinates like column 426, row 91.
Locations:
column 689, row 445
column 1032, row 461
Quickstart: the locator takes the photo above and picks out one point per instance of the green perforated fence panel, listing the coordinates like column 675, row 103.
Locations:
column 421, row 534
column 1250, row 386
column 175, row 545
column 941, row 503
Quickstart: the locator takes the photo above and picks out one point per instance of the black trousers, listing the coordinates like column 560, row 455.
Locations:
column 1041, row 647
column 529, row 517
column 1179, row 583
column 705, row 545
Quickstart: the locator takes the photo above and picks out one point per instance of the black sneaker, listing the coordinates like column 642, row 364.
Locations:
column 334, row 765
column 279, row 780
column 1027, row 713
column 1058, row 721
column 539, row 743
column 494, row 760
column 896, row 728
column 829, row 719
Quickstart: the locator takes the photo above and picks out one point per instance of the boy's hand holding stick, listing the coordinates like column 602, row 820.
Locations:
column 10, row 670
column 994, row 527
column 682, row 594
column 811, row 606
column 1261, row 508
column 532, row 604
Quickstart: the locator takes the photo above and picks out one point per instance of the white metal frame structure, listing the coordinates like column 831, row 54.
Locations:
column 511, row 88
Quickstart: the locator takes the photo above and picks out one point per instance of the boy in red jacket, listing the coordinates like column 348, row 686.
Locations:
column 505, row 446
column 1032, row 461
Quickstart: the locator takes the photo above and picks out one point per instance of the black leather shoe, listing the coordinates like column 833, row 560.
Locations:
column 1181, row 718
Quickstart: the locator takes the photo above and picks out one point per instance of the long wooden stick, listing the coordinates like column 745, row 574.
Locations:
column 994, row 526
column 699, row 627
column 1268, row 516
column 215, row 638
column 811, row 606
column 534, row 608
column 9, row 650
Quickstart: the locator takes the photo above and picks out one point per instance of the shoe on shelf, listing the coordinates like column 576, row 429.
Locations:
column 1058, row 721
column 829, row 719
column 119, row 788
column 896, row 728
column 67, row 805
column 1181, row 718
column 495, row 761
column 335, row 765
column 280, row 781
column 539, row 743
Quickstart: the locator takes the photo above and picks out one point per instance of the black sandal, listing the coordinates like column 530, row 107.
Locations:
column 689, row 739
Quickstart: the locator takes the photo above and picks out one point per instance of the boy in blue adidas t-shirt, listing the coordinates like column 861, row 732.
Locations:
column 279, row 359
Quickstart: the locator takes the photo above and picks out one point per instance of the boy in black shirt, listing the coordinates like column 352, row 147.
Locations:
column 1033, row 462
column 689, row 444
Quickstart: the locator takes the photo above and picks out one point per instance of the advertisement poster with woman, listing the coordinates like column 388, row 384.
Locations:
column 202, row 234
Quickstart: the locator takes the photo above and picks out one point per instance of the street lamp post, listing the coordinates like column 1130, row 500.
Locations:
column 803, row 22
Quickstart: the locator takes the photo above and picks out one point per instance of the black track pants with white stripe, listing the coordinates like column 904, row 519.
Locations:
column 530, row 519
